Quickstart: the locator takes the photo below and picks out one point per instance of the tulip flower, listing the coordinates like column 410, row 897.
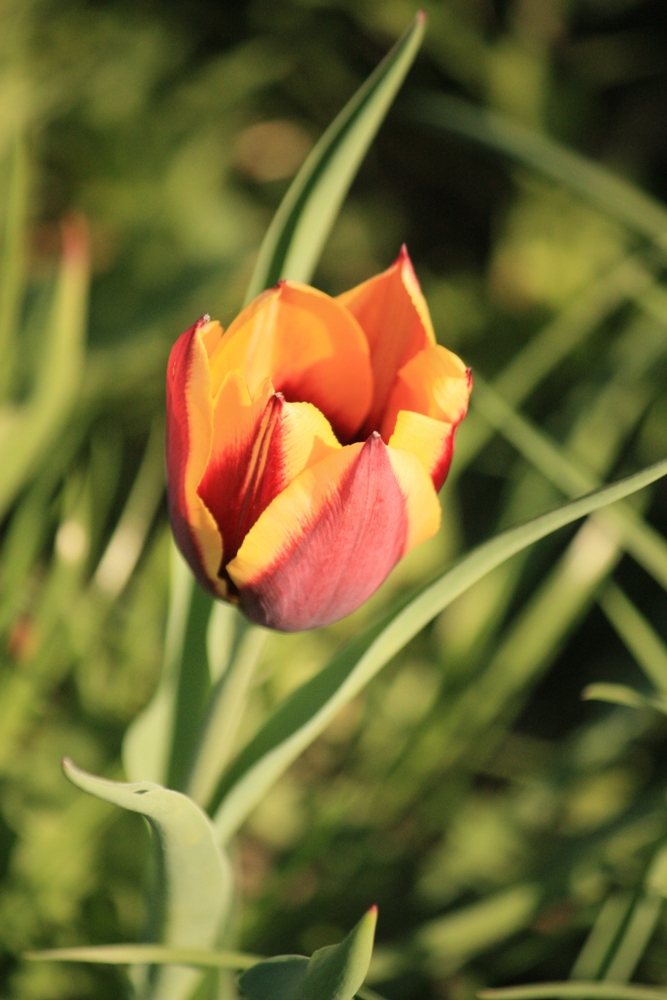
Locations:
column 306, row 445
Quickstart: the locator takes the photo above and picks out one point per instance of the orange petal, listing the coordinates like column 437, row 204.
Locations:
column 430, row 440
column 328, row 541
column 189, row 434
column 394, row 316
column 435, row 382
column 310, row 347
column 259, row 446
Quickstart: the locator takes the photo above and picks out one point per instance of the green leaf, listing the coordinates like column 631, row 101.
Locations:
column 197, row 880
column 616, row 694
column 452, row 939
column 307, row 712
column 126, row 544
column 300, row 227
column 629, row 280
column 637, row 537
column 224, row 715
column 25, row 432
column 615, row 196
column 147, row 742
column 638, row 634
column 194, row 687
column 333, row 973
column 643, row 542
column 580, row 988
column 149, row 954
column 277, row 978
column 12, row 259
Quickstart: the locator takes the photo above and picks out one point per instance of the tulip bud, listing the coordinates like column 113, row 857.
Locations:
column 306, row 445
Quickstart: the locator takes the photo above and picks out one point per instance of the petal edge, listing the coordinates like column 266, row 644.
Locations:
column 325, row 544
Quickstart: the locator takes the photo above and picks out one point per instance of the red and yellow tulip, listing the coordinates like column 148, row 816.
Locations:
column 306, row 444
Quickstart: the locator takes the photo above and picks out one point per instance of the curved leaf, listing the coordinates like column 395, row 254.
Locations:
column 26, row 433
column 333, row 973
column 197, row 877
column 580, row 988
column 153, row 954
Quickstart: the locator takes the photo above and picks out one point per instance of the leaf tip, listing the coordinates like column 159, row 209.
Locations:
column 75, row 238
column 366, row 927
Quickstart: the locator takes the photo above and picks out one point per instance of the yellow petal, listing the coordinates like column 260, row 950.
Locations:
column 421, row 500
column 434, row 382
column 430, row 440
column 310, row 347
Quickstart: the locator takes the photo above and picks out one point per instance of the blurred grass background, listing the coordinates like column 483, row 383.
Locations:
column 508, row 830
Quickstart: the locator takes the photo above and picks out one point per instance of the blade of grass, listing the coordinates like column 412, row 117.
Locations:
column 640, row 928
column 605, row 931
column 291, row 249
column 617, row 694
column 157, row 954
column 125, row 545
column 579, row 989
column 450, row 940
column 639, row 539
column 224, row 716
column 59, row 370
column 12, row 280
column 512, row 661
column 147, row 742
column 528, row 647
column 149, row 954
column 639, row 636
column 643, row 542
column 628, row 280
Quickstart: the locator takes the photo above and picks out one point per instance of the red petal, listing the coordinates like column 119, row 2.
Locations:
column 188, row 441
column 258, row 448
column 325, row 544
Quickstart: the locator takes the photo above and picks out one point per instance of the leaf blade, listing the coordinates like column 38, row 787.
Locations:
column 197, row 875
column 301, row 225
column 332, row 973
column 149, row 954
column 580, row 988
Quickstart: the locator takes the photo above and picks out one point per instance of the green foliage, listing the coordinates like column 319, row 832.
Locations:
column 507, row 830
column 194, row 874
column 336, row 972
